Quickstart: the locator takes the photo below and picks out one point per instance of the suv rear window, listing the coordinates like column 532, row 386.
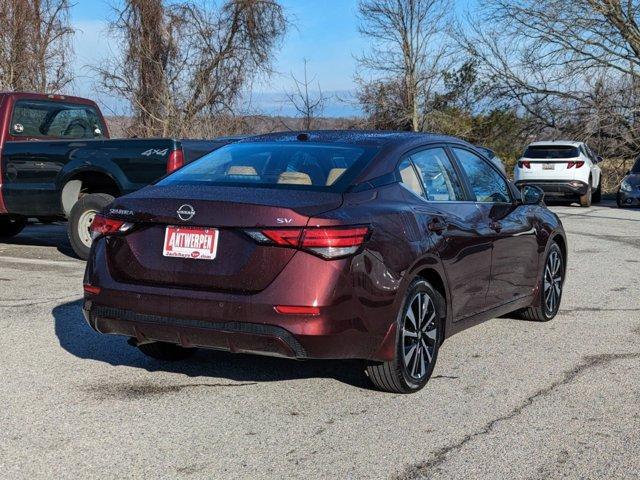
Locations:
column 551, row 151
column 302, row 166
column 38, row 118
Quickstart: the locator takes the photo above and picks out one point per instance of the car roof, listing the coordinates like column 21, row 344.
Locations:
column 355, row 137
column 557, row 143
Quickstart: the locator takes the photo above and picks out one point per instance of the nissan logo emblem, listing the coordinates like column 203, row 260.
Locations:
column 186, row 212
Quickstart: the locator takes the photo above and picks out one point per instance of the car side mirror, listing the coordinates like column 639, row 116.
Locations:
column 532, row 195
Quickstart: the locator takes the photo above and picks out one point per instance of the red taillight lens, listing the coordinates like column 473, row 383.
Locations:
column 334, row 237
column 578, row 164
column 102, row 225
column 176, row 160
column 327, row 242
column 295, row 310
column 289, row 237
column 524, row 164
column 91, row 290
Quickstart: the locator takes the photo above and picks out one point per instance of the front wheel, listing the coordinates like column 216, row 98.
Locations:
column 597, row 195
column 11, row 226
column 80, row 220
column 551, row 282
column 418, row 340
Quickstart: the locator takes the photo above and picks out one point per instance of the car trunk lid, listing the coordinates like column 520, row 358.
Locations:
column 240, row 263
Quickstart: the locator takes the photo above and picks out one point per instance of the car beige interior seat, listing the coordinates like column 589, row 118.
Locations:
column 294, row 178
column 334, row 174
column 241, row 170
column 411, row 180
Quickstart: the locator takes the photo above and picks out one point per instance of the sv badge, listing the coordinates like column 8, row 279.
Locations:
column 284, row 220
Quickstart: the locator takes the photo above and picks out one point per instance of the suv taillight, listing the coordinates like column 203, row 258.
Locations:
column 326, row 242
column 102, row 226
column 176, row 160
column 524, row 164
column 577, row 164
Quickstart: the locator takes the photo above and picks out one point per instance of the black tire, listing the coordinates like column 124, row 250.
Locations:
column 619, row 202
column 80, row 215
column 597, row 195
column 543, row 312
column 587, row 198
column 397, row 375
column 11, row 226
column 166, row 351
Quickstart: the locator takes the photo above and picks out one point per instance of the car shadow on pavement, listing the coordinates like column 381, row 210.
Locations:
column 77, row 338
column 44, row 235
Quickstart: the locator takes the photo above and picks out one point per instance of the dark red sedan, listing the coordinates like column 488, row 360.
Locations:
column 326, row 245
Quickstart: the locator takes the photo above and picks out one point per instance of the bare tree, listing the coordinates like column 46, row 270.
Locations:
column 186, row 63
column 35, row 45
column 406, row 60
column 308, row 104
column 572, row 66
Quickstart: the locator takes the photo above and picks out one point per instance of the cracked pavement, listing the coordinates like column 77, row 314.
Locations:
column 508, row 399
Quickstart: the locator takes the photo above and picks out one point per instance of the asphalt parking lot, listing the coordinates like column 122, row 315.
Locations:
column 509, row 398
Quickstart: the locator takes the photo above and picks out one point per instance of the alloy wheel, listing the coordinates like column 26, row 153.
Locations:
column 419, row 335
column 553, row 282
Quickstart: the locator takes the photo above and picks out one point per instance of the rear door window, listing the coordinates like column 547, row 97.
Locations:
column 38, row 118
column 410, row 178
column 284, row 165
column 486, row 183
column 439, row 178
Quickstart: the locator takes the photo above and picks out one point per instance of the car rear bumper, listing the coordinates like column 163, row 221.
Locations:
column 557, row 187
column 349, row 323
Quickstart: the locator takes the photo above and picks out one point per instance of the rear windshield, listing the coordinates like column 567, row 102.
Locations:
column 303, row 166
column 38, row 118
column 551, row 151
column 636, row 166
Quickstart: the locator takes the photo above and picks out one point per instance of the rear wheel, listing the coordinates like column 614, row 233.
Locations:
column 11, row 226
column 552, row 282
column 586, row 199
column 418, row 339
column 81, row 218
column 166, row 351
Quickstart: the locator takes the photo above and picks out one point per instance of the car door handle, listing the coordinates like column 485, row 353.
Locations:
column 436, row 226
column 497, row 226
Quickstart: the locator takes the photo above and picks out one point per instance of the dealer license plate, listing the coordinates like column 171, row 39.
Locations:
column 191, row 242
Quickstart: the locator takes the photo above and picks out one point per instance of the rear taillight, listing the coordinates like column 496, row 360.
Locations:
column 327, row 242
column 524, row 164
column 102, row 226
column 176, row 160
column 577, row 164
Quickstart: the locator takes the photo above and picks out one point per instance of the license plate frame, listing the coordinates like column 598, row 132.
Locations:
column 196, row 243
column 548, row 166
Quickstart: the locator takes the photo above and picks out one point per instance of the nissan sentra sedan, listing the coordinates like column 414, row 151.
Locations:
column 325, row 245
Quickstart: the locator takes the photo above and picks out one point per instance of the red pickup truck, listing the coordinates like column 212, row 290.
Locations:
column 57, row 162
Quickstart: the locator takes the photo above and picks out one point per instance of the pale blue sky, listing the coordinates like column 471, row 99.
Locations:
column 324, row 31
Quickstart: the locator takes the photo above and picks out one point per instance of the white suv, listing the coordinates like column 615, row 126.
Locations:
column 562, row 169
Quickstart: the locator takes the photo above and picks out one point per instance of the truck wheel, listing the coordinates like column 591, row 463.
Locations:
column 585, row 200
column 597, row 195
column 80, row 219
column 11, row 226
